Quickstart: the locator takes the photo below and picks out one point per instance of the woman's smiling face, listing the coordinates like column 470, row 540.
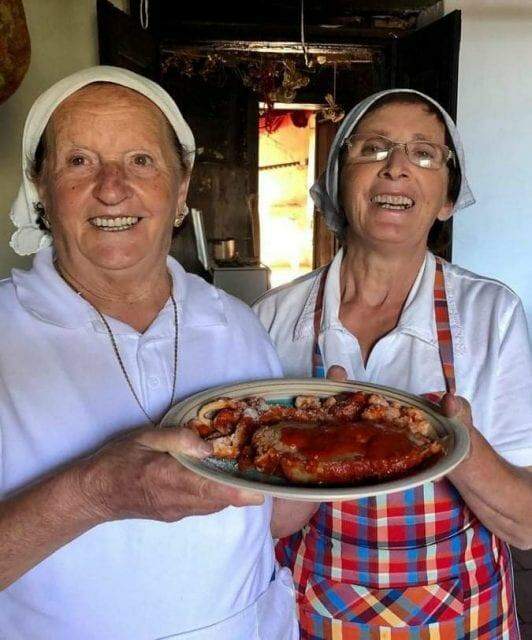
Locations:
column 370, row 193
column 111, row 183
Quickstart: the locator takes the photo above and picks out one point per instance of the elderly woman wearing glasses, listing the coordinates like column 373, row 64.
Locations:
column 429, row 562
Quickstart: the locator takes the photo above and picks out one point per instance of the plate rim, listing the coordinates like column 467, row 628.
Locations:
column 441, row 468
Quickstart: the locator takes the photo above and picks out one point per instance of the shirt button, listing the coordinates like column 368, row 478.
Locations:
column 153, row 381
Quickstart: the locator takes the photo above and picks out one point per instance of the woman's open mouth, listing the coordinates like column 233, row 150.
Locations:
column 394, row 202
column 122, row 223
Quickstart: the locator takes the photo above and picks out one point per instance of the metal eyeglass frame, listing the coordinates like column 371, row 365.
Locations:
column 448, row 153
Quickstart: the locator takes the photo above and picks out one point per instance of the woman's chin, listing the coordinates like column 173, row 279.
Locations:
column 114, row 255
column 392, row 227
column 114, row 249
column 388, row 235
column 115, row 261
column 393, row 217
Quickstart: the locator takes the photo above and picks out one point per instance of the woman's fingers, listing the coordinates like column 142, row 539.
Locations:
column 457, row 407
column 179, row 440
column 183, row 440
column 336, row 372
column 215, row 491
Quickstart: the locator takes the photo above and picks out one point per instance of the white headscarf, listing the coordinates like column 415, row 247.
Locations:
column 29, row 238
column 324, row 191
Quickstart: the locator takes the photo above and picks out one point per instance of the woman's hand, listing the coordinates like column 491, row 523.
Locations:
column 135, row 476
column 459, row 409
column 498, row 493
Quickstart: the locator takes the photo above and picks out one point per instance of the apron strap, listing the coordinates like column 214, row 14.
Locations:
column 317, row 361
column 443, row 327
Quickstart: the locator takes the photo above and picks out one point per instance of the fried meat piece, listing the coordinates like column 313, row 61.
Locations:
column 346, row 406
column 277, row 413
column 218, row 417
column 228, row 424
column 231, row 446
column 340, row 453
column 307, row 402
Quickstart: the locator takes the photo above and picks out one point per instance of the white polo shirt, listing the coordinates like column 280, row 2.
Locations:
column 492, row 355
column 62, row 395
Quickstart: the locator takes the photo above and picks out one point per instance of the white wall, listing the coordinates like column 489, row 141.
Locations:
column 494, row 237
column 64, row 39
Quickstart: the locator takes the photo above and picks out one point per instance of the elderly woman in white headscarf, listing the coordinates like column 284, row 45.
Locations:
column 103, row 534
column 429, row 562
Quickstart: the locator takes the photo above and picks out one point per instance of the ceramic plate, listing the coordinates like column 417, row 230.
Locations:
column 455, row 439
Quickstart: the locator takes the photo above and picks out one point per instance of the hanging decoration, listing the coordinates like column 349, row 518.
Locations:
column 274, row 77
column 272, row 121
column 332, row 111
column 274, row 80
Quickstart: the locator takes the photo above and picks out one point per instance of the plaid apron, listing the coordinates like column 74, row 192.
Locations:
column 412, row 565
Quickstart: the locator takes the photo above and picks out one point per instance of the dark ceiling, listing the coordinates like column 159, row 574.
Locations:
column 165, row 16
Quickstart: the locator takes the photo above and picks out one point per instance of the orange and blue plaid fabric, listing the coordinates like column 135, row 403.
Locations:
column 412, row 565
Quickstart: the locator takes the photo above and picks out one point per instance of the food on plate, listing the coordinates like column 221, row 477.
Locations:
column 340, row 452
column 347, row 438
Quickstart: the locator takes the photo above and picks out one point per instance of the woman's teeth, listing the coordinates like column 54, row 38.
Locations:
column 114, row 224
column 393, row 202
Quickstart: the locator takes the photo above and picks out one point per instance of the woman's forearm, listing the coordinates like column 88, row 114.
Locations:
column 289, row 516
column 38, row 521
column 132, row 476
column 498, row 493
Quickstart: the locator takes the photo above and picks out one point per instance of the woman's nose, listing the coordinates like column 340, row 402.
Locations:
column 397, row 165
column 111, row 184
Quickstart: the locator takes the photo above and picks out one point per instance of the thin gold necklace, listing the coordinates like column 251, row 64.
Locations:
column 117, row 352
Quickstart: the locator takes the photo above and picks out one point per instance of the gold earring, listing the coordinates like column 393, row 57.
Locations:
column 178, row 220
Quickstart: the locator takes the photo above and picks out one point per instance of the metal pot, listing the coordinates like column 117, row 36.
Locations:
column 224, row 249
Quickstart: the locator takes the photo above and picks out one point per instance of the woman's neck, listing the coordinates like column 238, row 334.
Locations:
column 375, row 279
column 374, row 287
column 133, row 299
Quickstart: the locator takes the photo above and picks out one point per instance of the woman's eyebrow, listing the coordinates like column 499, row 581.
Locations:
column 386, row 134
column 422, row 136
column 70, row 143
column 376, row 132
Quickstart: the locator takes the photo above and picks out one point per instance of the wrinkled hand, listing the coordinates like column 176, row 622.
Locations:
column 135, row 476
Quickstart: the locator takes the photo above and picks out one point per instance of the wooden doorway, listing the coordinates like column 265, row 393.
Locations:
column 325, row 242
column 287, row 138
column 223, row 111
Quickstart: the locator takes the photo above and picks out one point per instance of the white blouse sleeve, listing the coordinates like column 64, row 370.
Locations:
column 512, row 403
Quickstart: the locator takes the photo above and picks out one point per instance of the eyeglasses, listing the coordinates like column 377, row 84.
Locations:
column 364, row 148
